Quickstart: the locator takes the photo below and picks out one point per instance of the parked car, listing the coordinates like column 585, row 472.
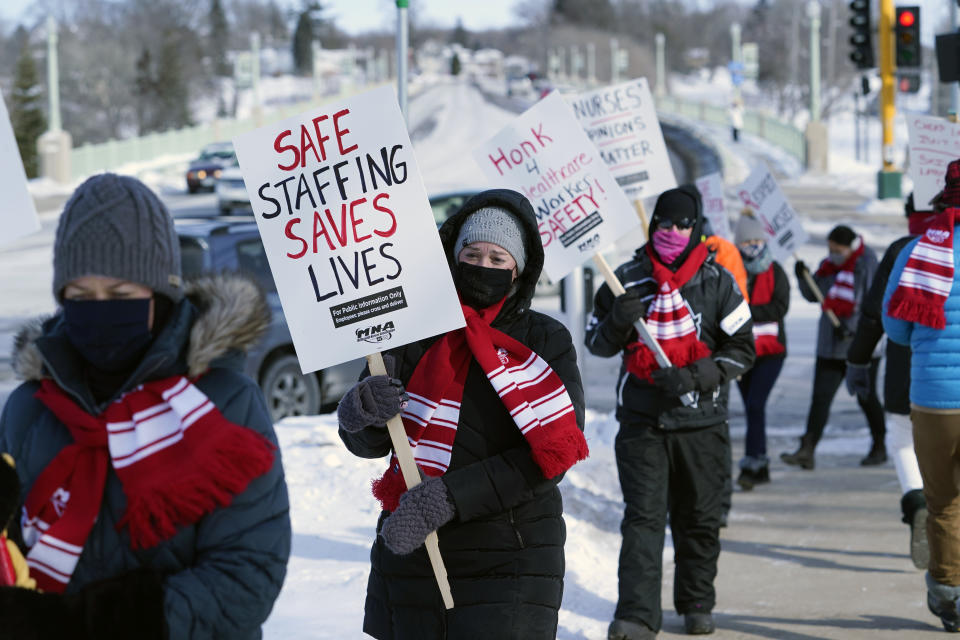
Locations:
column 219, row 245
column 206, row 168
column 231, row 191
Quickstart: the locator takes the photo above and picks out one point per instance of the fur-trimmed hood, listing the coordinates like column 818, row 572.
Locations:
column 231, row 315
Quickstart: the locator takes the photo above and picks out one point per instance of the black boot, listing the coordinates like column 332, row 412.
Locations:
column 802, row 457
column 877, row 455
column 914, row 506
column 748, row 478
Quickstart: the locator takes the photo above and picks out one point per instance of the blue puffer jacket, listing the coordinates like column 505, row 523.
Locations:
column 223, row 573
column 935, row 367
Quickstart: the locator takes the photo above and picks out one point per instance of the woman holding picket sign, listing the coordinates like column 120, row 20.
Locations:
column 154, row 503
column 843, row 278
column 494, row 413
column 672, row 458
column 769, row 300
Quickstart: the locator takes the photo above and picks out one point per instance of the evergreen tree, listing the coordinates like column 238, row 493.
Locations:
column 173, row 92
column 26, row 111
column 144, row 89
column 455, row 65
column 460, row 34
column 219, row 39
column 303, row 44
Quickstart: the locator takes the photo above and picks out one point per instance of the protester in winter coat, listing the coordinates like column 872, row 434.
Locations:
column 154, row 502
column 896, row 387
column 769, row 300
column 490, row 479
column 843, row 278
column 922, row 310
column 672, row 458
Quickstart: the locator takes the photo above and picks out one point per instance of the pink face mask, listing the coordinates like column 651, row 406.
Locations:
column 669, row 245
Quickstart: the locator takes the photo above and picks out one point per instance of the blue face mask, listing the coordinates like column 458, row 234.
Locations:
column 112, row 335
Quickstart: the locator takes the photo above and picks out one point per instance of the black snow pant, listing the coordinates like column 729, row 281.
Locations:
column 827, row 378
column 680, row 472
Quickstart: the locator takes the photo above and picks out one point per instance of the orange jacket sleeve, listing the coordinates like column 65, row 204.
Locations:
column 728, row 256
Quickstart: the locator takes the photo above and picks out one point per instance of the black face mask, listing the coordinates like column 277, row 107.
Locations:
column 111, row 335
column 481, row 287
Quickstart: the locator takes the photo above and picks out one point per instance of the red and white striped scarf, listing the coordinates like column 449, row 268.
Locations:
column 765, row 334
column 927, row 278
column 841, row 298
column 668, row 318
column 176, row 456
column 530, row 390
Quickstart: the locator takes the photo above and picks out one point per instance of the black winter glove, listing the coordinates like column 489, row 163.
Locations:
column 372, row 401
column 858, row 379
column 119, row 608
column 629, row 307
column 800, row 268
column 422, row 509
column 700, row 375
column 841, row 332
column 674, row 381
column 9, row 491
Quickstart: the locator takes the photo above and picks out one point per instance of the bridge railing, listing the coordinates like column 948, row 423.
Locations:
column 88, row 159
column 775, row 131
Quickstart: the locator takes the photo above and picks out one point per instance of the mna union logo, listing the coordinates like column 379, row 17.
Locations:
column 376, row 333
column 937, row 235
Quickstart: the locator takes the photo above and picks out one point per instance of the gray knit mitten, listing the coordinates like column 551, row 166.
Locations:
column 371, row 402
column 422, row 509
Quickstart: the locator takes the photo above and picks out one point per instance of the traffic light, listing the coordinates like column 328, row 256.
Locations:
column 862, row 52
column 908, row 83
column 908, row 36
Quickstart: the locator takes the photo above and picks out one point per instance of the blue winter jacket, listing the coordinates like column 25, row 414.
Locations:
column 935, row 367
column 222, row 574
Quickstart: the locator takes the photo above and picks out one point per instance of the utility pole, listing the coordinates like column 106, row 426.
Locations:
column 54, row 145
column 661, row 86
column 591, row 64
column 614, row 62
column 255, row 77
column 736, row 55
column 403, row 37
column 955, row 90
column 816, row 134
column 888, row 179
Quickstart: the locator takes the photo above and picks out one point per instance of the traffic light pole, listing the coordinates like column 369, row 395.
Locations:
column 888, row 179
column 955, row 91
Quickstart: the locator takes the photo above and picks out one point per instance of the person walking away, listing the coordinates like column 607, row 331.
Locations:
column 671, row 459
column 736, row 119
column 844, row 277
column 769, row 300
column 922, row 310
column 896, row 387
column 154, row 499
column 494, row 413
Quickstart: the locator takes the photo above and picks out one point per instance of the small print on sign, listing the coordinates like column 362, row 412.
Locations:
column 348, row 230
column 621, row 121
column 934, row 143
column 761, row 193
column 547, row 156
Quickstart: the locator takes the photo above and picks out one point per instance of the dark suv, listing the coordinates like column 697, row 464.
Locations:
column 217, row 245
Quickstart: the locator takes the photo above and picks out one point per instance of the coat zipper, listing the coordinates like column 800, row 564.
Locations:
column 513, row 524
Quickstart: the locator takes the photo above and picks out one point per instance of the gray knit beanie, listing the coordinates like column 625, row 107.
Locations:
column 496, row 225
column 748, row 228
column 116, row 226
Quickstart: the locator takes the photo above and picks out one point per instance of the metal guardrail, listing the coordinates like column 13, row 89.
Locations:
column 774, row 131
column 106, row 156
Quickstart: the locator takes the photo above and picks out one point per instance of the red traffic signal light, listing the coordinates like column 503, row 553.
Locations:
column 907, row 18
column 908, row 51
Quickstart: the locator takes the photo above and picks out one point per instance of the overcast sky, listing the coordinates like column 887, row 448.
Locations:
column 356, row 16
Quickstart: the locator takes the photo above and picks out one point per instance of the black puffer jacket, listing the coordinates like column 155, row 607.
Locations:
column 504, row 549
column 896, row 380
column 712, row 295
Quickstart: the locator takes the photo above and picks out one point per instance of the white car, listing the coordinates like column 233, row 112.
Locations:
column 231, row 192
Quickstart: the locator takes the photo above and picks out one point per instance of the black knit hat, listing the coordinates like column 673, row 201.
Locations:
column 679, row 206
column 842, row 234
column 116, row 226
